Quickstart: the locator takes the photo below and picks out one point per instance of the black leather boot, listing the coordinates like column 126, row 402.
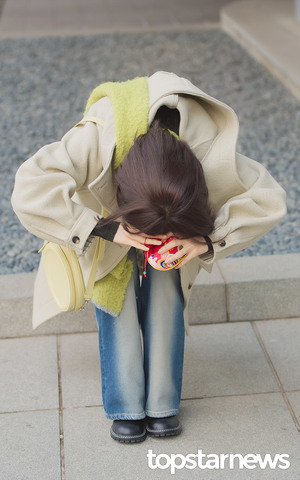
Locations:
column 163, row 427
column 128, row 431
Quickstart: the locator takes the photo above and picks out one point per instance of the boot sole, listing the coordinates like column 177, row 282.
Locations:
column 128, row 438
column 164, row 433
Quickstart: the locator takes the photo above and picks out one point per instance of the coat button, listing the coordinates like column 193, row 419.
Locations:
column 222, row 244
column 76, row 240
column 190, row 286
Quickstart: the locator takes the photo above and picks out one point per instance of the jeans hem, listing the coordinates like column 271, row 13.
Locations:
column 125, row 416
column 166, row 413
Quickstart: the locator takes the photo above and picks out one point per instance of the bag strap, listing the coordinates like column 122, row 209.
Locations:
column 91, row 280
column 98, row 255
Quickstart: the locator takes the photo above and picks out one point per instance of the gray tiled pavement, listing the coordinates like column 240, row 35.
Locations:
column 29, row 367
column 30, row 445
column 80, row 370
column 241, row 388
column 282, row 340
column 245, row 424
column 241, row 394
column 225, row 359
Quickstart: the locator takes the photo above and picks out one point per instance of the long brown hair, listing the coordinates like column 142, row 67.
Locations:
column 161, row 188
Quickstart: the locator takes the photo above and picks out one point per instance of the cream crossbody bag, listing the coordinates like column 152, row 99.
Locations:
column 64, row 275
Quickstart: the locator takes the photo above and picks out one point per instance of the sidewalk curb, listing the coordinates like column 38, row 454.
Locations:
column 238, row 289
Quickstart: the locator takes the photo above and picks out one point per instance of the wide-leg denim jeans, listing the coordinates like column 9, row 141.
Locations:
column 142, row 349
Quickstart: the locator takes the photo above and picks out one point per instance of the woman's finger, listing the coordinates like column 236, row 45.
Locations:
column 175, row 257
column 185, row 260
column 168, row 246
column 125, row 238
column 140, row 246
column 151, row 241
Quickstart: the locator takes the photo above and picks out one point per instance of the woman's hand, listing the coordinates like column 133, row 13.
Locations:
column 190, row 249
column 137, row 240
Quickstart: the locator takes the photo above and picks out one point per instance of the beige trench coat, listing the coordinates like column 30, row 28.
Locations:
column 61, row 189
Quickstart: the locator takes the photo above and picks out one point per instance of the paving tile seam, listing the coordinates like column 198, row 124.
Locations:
column 208, row 397
column 275, row 374
column 76, row 407
column 231, row 395
column 61, row 424
column 118, row 30
column 189, row 399
column 39, row 335
column 31, row 411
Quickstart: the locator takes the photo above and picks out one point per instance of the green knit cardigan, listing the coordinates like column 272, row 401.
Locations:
column 130, row 101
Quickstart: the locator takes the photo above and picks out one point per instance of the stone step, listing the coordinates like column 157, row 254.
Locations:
column 238, row 289
column 271, row 37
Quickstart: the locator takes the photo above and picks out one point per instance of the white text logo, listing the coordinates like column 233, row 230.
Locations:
column 212, row 461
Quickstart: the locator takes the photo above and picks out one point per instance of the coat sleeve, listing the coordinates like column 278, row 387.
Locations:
column 46, row 183
column 246, row 217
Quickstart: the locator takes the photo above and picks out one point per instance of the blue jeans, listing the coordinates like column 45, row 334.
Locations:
column 142, row 349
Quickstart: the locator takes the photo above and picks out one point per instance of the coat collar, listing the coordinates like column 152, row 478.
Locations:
column 168, row 89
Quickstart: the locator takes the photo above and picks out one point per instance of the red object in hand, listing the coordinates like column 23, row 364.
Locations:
column 162, row 262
